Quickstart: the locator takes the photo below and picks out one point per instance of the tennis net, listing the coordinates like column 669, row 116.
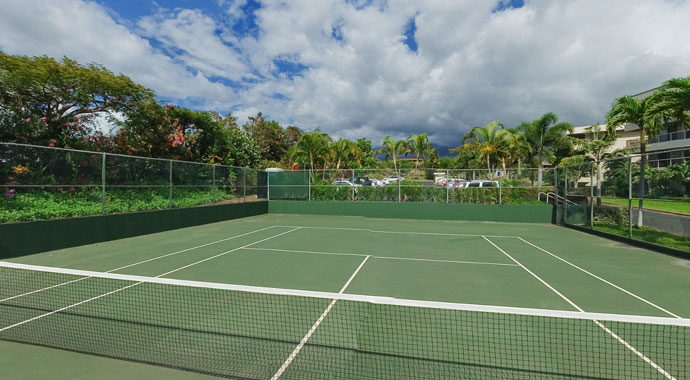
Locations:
column 266, row 333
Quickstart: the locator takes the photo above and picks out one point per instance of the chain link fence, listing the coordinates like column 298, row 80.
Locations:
column 43, row 183
column 450, row 186
column 638, row 197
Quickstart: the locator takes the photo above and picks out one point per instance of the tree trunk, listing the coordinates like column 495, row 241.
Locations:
column 643, row 164
column 519, row 169
column 488, row 165
column 599, row 167
column 540, row 173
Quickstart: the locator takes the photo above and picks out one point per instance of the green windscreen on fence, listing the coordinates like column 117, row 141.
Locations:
column 289, row 185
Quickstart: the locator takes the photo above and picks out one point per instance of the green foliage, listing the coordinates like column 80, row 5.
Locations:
column 40, row 204
column 272, row 140
column 366, row 147
column 648, row 234
column 393, row 149
column 43, row 101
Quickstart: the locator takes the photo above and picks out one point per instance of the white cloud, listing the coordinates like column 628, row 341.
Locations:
column 472, row 66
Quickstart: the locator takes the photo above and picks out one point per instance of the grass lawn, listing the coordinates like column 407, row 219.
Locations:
column 677, row 206
column 648, row 234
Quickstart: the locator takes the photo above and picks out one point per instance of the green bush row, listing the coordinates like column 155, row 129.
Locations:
column 33, row 204
column 415, row 192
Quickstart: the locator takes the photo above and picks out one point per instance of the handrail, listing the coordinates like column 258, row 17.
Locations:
column 552, row 194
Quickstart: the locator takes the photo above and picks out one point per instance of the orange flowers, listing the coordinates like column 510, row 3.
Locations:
column 19, row 169
column 177, row 137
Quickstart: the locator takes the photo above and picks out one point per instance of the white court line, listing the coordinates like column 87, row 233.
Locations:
column 603, row 280
column 398, row 232
column 131, row 265
column 137, row 283
column 316, row 325
column 607, row 330
column 383, row 257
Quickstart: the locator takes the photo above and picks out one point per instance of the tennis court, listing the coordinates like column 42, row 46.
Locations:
column 297, row 296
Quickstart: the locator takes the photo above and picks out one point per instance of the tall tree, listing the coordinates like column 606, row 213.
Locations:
column 544, row 135
column 518, row 147
column 310, row 148
column 596, row 147
column 421, row 147
column 342, row 153
column 269, row 136
column 367, row 159
column 42, row 99
column 629, row 110
column 670, row 105
column 392, row 148
column 489, row 140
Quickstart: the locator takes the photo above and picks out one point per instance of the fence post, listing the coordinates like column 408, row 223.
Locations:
column 170, row 190
column 630, row 211
column 244, row 184
column 447, row 187
column 103, row 184
column 565, row 197
column 500, row 188
column 399, row 199
column 309, row 188
column 213, row 169
column 591, row 196
column 268, row 186
column 353, row 184
column 555, row 181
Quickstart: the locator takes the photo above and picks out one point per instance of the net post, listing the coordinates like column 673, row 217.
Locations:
column 103, row 184
column 591, row 196
column 630, row 212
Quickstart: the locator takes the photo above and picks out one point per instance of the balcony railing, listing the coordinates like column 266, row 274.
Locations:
column 680, row 135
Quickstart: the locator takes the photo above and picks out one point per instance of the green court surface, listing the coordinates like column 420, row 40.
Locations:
column 518, row 265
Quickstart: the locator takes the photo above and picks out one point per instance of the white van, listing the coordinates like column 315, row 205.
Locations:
column 482, row 183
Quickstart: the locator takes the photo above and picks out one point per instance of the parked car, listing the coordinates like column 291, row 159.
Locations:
column 344, row 183
column 482, row 183
column 376, row 183
column 392, row 178
column 364, row 181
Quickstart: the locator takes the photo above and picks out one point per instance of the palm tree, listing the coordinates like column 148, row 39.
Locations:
column 629, row 110
column 310, row 147
column 670, row 105
column 595, row 148
column 544, row 134
column 519, row 148
column 420, row 146
column 341, row 152
column 489, row 140
column 394, row 149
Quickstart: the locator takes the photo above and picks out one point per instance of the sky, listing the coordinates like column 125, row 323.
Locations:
column 370, row 68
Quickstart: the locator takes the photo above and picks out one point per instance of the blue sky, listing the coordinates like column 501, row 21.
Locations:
column 370, row 68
